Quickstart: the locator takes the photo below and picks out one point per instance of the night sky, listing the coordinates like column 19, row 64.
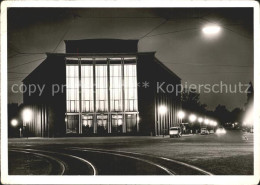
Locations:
column 175, row 34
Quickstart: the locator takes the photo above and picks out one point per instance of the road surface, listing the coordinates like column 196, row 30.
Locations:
column 188, row 155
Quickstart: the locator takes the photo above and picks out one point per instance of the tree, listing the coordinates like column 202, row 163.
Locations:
column 222, row 114
column 191, row 101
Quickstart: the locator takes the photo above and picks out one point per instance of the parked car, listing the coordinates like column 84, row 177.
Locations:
column 211, row 131
column 204, row 131
column 175, row 132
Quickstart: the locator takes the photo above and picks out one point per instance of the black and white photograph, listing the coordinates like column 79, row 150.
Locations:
column 125, row 91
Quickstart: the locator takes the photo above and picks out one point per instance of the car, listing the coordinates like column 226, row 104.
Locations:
column 211, row 131
column 221, row 130
column 204, row 131
column 175, row 132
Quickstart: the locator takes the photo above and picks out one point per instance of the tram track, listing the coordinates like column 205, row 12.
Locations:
column 175, row 166
column 93, row 161
column 72, row 164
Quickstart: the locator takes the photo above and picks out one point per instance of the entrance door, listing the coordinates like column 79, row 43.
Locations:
column 102, row 124
column 131, row 126
column 87, row 124
column 72, row 124
column 117, row 123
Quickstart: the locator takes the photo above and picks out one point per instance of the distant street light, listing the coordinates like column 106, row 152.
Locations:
column 20, row 130
column 206, row 121
column 192, row 118
column 138, row 119
column 162, row 109
column 27, row 115
column 200, row 120
column 211, row 29
column 181, row 114
column 14, row 122
column 211, row 123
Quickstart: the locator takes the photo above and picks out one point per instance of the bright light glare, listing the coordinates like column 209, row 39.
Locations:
column 120, row 122
column 162, row 109
column 221, row 131
column 27, row 115
column 206, row 121
column 211, row 122
column 211, row 29
column 181, row 114
column 192, row 117
column 200, row 120
column 249, row 117
column 14, row 122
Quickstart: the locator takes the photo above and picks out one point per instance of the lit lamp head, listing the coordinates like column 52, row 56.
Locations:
column 206, row 121
column 181, row 114
column 211, row 123
column 162, row 109
column 138, row 118
column 211, row 30
column 200, row 120
column 27, row 115
column 14, row 122
column 192, row 117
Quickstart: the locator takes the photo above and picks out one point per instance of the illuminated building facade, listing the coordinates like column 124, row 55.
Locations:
column 101, row 87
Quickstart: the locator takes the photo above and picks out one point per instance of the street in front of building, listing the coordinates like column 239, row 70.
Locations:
column 193, row 154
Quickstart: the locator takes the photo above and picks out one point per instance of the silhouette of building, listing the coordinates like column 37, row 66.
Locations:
column 101, row 87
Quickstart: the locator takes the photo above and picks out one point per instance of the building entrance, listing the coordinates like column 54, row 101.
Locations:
column 87, row 124
column 102, row 124
column 72, row 124
column 117, row 123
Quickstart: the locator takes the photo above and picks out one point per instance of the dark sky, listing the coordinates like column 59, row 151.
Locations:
column 175, row 34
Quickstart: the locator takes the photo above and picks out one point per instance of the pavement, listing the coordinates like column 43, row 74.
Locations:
column 228, row 154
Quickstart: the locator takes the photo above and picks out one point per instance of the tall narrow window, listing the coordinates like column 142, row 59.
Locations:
column 87, row 99
column 101, row 88
column 116, row 98
column 72, row 81
column 130, row 87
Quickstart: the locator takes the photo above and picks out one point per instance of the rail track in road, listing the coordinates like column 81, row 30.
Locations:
column 58, row 167
column 70, row 164
column 174, row 166
column 92, row 161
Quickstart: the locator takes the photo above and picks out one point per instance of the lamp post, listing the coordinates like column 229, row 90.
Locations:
column 162, row 111
column 181, row 115
column 27, row 117
column 20, row 130
column 192, row 119
column 14, row 123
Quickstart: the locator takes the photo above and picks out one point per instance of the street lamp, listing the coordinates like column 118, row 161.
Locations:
column 211, row 29
column 206, row 121
column 192, row 118
column 14, row 122
column 200, row 120
column 181, row 115
column 27, row 115
column 162, row 109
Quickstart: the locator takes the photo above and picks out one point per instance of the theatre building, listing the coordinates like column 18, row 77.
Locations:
column 101, row 87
